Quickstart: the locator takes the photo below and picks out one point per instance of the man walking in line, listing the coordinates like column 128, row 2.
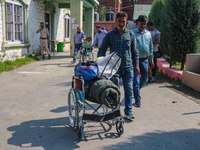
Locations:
column 155, row 34
column 44, row 38
column 145, row 48
column 78, row 42
column 122, row 41
column 98, row 38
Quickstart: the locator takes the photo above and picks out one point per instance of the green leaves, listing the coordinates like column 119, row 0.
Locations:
column 10, row 65
column 179, row 23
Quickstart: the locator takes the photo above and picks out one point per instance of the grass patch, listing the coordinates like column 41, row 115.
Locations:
column 10, row 65
column 178, row 66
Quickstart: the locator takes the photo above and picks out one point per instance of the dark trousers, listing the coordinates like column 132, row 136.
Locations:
column 155, row 54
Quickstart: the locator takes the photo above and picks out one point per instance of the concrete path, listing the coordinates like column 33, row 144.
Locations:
column 33, row 114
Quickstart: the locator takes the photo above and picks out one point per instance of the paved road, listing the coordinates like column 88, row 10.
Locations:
column 33, row 114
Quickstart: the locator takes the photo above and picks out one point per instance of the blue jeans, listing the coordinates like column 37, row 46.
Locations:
column 127, row 78
column 139, row 82
column 76, row 49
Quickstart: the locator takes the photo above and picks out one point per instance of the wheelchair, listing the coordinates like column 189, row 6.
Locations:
column 77, row 102
column 86, row 54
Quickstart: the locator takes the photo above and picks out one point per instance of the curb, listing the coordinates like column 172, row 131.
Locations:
column 173, row 73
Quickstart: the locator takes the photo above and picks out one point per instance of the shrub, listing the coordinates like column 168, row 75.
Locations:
column 181, row 27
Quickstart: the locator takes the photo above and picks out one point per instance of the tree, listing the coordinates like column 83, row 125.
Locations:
column 156, row 13
column 102, row 15
column 181, row 26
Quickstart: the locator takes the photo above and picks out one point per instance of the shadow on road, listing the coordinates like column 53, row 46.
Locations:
column 60, row 109
column 159, row 140
column 56, row 133
column 48, row 133
column 191, row 113
column 61, row 57
column 67, row 65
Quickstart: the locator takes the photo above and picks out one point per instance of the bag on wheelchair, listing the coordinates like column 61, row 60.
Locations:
column 88, row 70
column 108, row 65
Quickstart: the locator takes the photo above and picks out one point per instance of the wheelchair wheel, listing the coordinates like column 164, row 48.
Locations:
column 82, row 58
column 120, row 128
column 91, row 56
column 80, row 133
column 72, row 108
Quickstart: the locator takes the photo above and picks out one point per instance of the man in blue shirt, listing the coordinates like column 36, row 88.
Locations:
column 78, row 42
column 155, row 34
column 122, row 41
column 98, row 38
column 145, row 48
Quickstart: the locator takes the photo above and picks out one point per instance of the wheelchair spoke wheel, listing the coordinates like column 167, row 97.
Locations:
column 72, row 108
column 80, row 133
column 120, row 128
column 91, row 56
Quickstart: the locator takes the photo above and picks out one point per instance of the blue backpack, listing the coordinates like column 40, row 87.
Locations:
column 88, row 70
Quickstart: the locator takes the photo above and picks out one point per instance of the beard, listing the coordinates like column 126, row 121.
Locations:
column 141, row 29
column 121, row 27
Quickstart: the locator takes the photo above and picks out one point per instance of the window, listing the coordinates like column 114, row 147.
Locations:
column 14, row 22
column 67, row 27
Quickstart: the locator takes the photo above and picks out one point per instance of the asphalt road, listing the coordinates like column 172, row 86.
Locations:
column 33, row 114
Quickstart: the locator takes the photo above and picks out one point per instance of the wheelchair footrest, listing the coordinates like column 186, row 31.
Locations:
column 103, row 118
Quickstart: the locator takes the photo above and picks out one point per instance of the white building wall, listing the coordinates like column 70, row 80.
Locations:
column 1, row 31
column 59, row 24
column 36, row 15
column 36, row 10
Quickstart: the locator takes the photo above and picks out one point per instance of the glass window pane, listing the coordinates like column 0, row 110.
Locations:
column 8, row 32
column 8, row 37
column 18, row 19
column 14, row 22
column 18, row 22
column 20, row 37
column 15, row 27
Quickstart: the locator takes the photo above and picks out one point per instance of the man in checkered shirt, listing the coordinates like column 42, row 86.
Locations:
column 122, row 41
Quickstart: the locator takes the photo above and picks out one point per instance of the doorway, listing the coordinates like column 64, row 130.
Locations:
column 48, row 23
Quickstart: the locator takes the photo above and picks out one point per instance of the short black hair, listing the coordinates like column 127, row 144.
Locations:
column 121, row 14
column 149, row 23
column 41, row 22
column 142, row 18
column 98, row 27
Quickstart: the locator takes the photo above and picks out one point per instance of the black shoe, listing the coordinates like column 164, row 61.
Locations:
column 43, row 56
column 49, row 57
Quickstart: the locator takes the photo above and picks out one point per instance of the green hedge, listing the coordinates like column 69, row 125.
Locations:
column 179, row 24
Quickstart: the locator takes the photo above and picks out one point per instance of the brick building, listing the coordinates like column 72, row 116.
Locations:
column 113, row 5
column 129, row 5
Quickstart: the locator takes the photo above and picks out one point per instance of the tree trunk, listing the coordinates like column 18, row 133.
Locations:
column 170, row 61
column 182, row 65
